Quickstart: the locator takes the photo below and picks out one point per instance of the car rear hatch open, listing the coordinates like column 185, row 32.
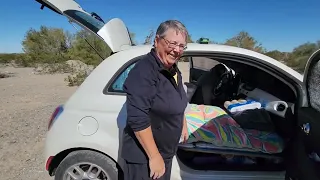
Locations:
column 114, row 33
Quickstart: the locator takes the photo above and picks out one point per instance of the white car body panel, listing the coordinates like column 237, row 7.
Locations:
column 116, row 35
column 63, row 5
column 110, row 113
column 235, row 50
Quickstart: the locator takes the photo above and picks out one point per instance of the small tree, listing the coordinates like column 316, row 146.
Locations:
column 81, row 48
column 300, row 55
column 245, row 40
column 48, row 45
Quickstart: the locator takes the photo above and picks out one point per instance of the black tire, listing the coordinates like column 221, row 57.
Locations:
column 87, row 156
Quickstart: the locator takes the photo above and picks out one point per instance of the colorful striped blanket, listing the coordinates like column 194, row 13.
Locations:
column 213, row 125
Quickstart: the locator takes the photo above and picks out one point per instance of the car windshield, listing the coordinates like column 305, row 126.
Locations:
column 93, row 22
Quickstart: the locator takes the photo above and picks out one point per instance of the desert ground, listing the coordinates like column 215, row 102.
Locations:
column 27, row 101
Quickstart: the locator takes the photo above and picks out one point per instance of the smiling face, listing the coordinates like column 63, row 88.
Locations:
column 170, row 47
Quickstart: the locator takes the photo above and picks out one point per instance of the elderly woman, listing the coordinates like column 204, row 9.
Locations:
column 156, row 102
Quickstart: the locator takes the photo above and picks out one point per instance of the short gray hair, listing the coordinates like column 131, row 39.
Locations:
column 171, row 24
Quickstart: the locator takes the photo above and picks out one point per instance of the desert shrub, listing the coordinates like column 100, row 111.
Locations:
column 53, row 68
column 76, row 79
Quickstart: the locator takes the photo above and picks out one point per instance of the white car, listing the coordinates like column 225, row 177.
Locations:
column 84, row 134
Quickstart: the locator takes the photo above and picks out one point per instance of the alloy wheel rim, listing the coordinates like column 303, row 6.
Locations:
column 85, row 171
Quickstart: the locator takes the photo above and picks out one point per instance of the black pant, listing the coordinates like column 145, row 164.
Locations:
column 135, row 171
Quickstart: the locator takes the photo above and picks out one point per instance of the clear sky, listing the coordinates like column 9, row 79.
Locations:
column 277, row 24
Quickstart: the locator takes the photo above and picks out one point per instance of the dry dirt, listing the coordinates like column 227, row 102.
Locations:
column 27, row 101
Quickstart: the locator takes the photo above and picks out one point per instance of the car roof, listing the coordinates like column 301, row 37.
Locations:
column 236, row 50
column 135, row 51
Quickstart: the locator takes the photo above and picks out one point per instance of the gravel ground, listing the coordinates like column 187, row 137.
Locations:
column 27, row 101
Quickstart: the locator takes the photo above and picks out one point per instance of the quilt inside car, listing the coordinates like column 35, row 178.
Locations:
column 212, row 125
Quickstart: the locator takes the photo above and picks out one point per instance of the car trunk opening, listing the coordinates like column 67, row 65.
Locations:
column 220, row 141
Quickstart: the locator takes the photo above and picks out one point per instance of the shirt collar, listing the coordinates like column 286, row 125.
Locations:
column 172, row 70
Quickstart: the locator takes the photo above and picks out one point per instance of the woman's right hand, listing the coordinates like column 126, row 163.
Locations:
column 157, row 167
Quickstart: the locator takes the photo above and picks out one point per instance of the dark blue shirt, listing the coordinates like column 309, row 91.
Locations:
column 153, row 99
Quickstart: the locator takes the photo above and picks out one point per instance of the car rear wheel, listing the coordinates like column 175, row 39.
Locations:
column 87, row 165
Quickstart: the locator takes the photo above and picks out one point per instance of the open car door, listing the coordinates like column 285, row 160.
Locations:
column 305, row 141
column 309, row 116
column 114, row 32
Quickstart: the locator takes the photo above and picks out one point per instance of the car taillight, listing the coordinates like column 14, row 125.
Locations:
column 55, row 115
column 49, row 160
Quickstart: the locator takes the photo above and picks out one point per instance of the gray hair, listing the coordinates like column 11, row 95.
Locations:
column 171, row 24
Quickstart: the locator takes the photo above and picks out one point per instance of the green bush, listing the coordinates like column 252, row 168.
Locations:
column 76, row 79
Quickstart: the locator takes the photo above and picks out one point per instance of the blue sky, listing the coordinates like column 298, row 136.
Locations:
column 277, row 24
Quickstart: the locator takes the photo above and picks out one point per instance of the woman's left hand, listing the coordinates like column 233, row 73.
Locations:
column 185, row 134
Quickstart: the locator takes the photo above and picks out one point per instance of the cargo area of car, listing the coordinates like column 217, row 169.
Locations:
column 264, row 152
column 224, row 160
column 252, row 150
column 211, row 156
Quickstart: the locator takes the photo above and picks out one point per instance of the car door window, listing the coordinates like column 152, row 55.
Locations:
column 117, row 85
column 203, row 63
column 314, row 85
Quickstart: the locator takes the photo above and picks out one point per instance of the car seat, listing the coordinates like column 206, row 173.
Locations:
column 205, row 86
